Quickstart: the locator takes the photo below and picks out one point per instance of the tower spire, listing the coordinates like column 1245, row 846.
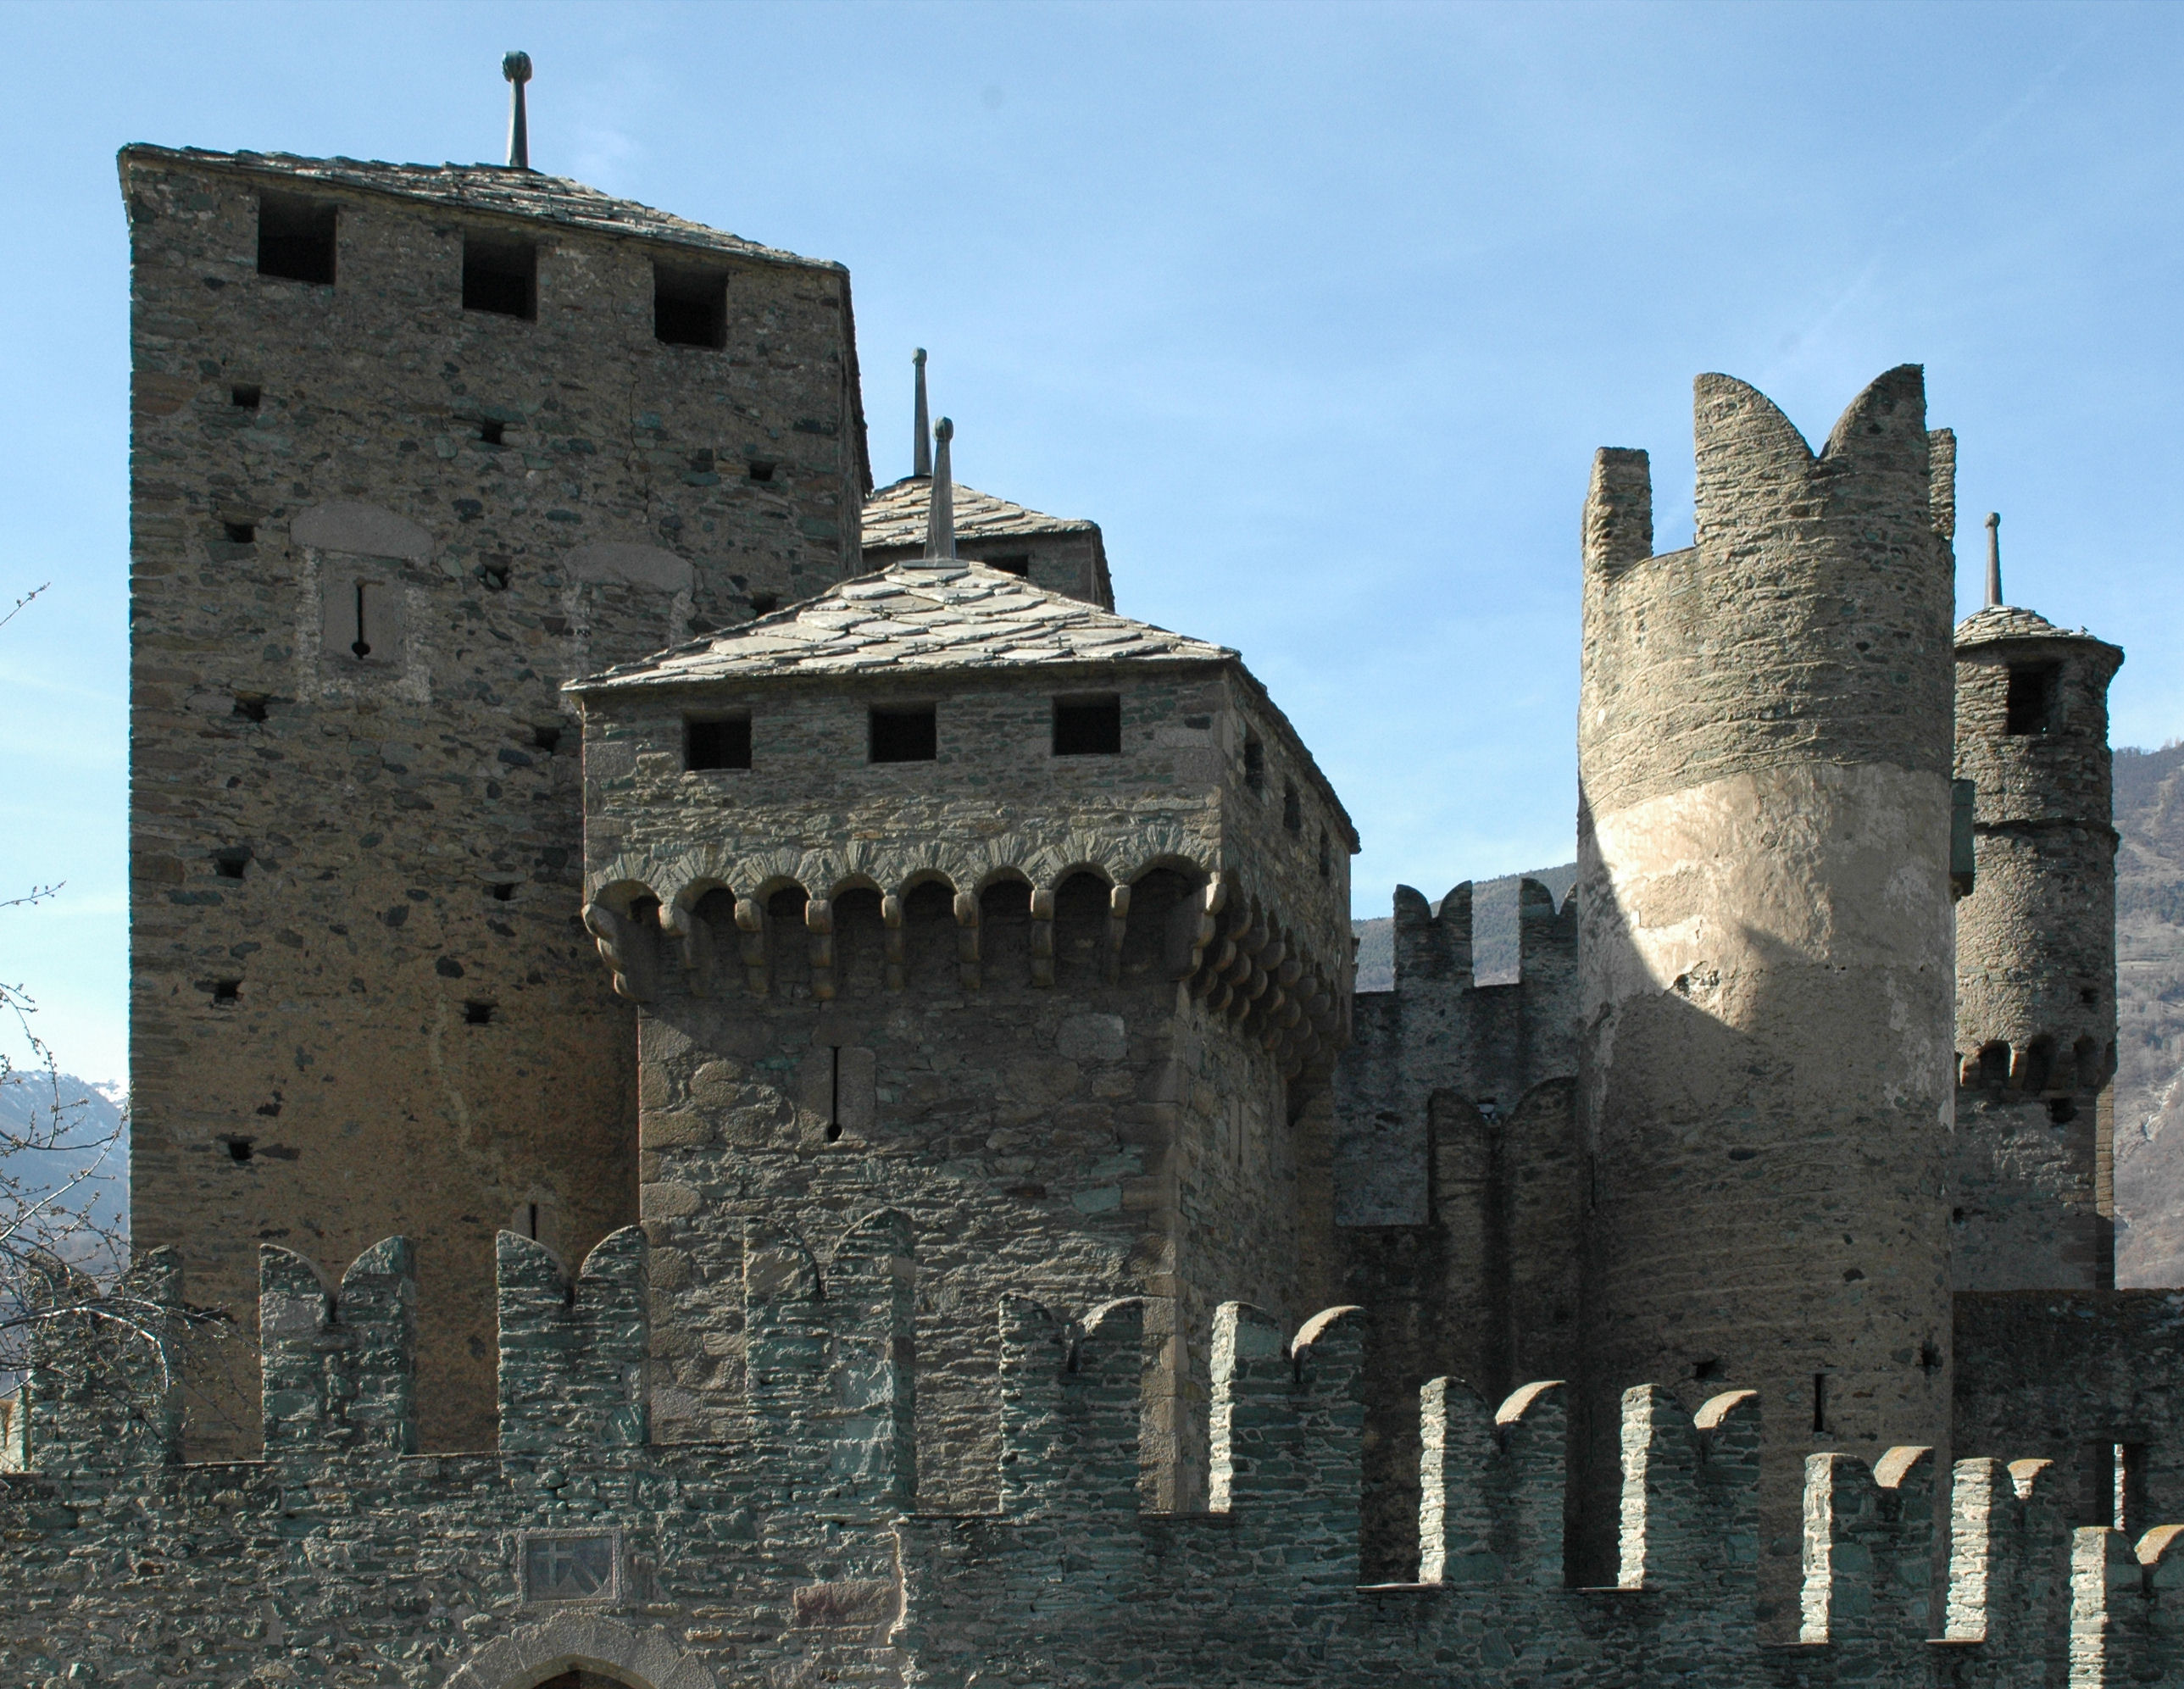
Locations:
column 940, row 507
column 1993, row 558
column 517, row 67
column 921, row 459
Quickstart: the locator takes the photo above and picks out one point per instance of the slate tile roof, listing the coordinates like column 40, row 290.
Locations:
column 529, row 194
column 895, row 516
column 914, row 617
column 2010, row 621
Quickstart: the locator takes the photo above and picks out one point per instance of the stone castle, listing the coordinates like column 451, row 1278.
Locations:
column 778, row 1094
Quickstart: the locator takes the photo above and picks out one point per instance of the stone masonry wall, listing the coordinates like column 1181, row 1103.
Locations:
column 361, row 997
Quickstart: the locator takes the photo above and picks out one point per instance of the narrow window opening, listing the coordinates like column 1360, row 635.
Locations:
column 1087, row 727
column 493, row 572
column 765, row 604
column 477, row 1014
column 1016, row 563
column 1326, row 856
column 1994, row 1065
column 1929, row 1358
column 761, row 471
column 834, row 1094
column 240, row 533
column 717, row 741
column 296, row 239
column 230, row 864
column 534, row 1222
column 1705, row 1372
column 501, row 891
column 2131, row 1513
column 1292, row 807
column 1819, row 1404
column 226, row 990
column 492, row 432
column 1255, row 764
column 238, row 1150
column 243, row 396
column 360, row 645
column 547, row 736
column 250, row 707
column 500, row 276
column 690, row 307
column 905, row 733
column 2031, row 704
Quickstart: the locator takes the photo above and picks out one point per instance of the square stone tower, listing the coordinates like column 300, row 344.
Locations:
column 412, row 446
column 944, row 893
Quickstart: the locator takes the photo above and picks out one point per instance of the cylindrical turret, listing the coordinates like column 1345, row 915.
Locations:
column 1766, row 958
column 2032, row 1191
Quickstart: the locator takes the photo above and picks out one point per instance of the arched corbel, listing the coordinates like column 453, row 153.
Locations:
column 1042, row 937
column 750, row 924
column 625, row 947
column 966, row 938
column 1118, row 927
column 819, row 921
column 894, row 947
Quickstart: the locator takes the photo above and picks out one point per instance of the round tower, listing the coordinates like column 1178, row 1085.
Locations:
column 2032, row 1194
column 1766, row 956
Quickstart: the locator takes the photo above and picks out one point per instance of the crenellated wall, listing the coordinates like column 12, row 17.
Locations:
column 796, row 1552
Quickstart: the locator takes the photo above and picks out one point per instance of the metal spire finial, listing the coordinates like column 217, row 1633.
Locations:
column 940, row 508
column 1993, row 558
column 517, row 67
column 921, row 459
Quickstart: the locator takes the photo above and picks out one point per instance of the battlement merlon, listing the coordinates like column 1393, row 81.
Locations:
column 573, row 1354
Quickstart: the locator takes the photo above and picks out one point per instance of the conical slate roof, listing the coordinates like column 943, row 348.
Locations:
column 914, row 617
column 2000, row 621
column 895, row 516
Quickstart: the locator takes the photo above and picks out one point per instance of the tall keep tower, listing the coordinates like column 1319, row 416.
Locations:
column 2033, row 1189
column 1766, row 963
column 411, row 446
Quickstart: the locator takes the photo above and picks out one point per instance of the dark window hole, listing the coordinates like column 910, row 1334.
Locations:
column 230, row 864
column 547, row 736
column 501, row 891
column 1930, row 1356
column 765, row 604
column 226, row 990
column 1326, row 856
column 2090, row 995
column 2031, row 703
column 296, row 239
column 238, row 1149
column 1704, row 1371
column 717, row 741
column 1016, row 563
column 534, row 1222
column 1087, row 727
column 1292, row 807
column 834, row 1131
column 690, row 307
column 240, row 533
column 2062, row 1110
column 908, row 733
column 761, row 471
column 1255, row 765
column 1820, row 1403
column 477, row 1014
column 492, row 433
column 244, row 397
column 249, row 706
column 500, row 276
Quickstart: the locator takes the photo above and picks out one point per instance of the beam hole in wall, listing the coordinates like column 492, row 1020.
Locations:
column 494, row 572
column 1089, row 725
column 500, row 275
column 1292, row 807
column 717, row 741
column 477, row 1014
column 296, row 239
column 905, row 733
column 232, row 862
column 1929, row 1358
column 501, row 891
column 546, row 736
column 244, row 397
column 238, row 1149
column 760, row 471
column 1706, row 1371
column 1255, row 763
column 2062, row 1110
column 250, row 707
column 2029, row 706
column 492, row 432
column 690, row 307
column 2090, row 995
column 1819, row 1404
column 1016, row 563
column 763, row 604
column 240, row 533
column 226, row 990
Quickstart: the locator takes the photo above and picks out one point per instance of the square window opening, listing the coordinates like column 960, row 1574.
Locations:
column 232, row 863
column 1016, row 563
column 905, row 733
column 296, row 239
column 546, row 737
column 2030, row 705
column 761, row 471
column 500, row 275
column 717, row 741
column 249, row 706
column 477, row 1014
column 765, row 604
column 1255, row 764
column 226, row 990
column 690, row 307
column 240, row 533
column 244, row 397
column 238, row 1150
column 501, row 891
column 1087, row 727
column 491, row 432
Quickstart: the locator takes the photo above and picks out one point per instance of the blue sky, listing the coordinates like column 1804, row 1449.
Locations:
column 1319, row 311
